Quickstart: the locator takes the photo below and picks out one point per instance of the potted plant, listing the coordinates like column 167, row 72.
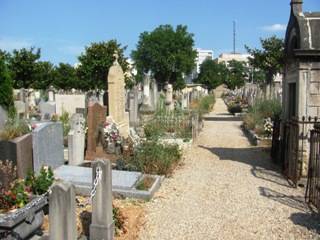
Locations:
column 22, row 204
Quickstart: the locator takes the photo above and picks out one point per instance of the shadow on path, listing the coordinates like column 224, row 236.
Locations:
column 262, row 167
column 222, row 119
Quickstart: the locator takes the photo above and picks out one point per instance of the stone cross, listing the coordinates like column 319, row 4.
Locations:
column 102, row 224
column 62, row 212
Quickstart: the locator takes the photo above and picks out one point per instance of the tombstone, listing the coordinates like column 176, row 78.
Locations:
column 102, row 224
column 20, row 108
column 51, row 93
column 116, row 89
column 62, row 212
column 76, row 140
column 47, row 142
column 154, row 94
column 47, row 109
column 169, row 97
column 19, row 152
column 133, row 107
column 3, row 117
column 96, row 117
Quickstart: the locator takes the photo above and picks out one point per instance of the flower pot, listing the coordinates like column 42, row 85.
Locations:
column 24, row 221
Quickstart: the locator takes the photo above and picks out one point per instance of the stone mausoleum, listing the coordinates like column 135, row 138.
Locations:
column 301, row 86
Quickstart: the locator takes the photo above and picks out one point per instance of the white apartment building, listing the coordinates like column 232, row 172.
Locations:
column 227, row 57
column 202, row 55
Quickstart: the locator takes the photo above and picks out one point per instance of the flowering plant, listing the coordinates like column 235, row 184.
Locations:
column 111, row 133
column 268, row 126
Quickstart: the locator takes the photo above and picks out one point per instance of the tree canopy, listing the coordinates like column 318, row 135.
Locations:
column 96, row 61
column 65, row 77
column 270, row 58
column 167, row 52
column 22, row 65
column 212, row 73
column 6, row 88
column 237, row 74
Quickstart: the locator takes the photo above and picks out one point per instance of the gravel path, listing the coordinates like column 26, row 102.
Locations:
column 227, row 189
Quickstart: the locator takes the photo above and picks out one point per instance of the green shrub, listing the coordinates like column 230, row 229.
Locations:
column 234, row 108
column 155, row 158
column 40, row 184
column 13, row 128
column 153, row 130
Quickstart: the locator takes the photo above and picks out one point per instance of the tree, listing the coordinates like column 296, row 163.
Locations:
column 95, row 63
column 212, row 73
column 44, row 75
column 65, row 77
column 237, row 74
column 270, row 58
column 6, row 88
column 23, row 66
column 167, row 53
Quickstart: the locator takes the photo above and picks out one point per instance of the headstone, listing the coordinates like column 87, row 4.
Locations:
column 76, row 140
column 51, row 93
column 102, row 225
column 133, row 107
column 95, row 118
column 62, row 209
column 154, row 94
column 19, row 151
column 116, row 92
column 47, row 109
column 20, row 108
column 169, row 97
column 3, row 117
column 47, row 141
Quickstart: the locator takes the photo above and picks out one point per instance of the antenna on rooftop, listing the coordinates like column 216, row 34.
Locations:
column 234, row 37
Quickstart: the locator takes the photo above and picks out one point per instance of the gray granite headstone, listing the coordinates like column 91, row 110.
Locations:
column 102, row 225
column 47, row 141
column 62, row 208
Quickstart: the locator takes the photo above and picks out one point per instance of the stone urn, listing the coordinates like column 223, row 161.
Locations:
column 23, row 222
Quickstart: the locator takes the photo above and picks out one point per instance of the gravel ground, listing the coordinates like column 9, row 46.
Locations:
column 227, row 189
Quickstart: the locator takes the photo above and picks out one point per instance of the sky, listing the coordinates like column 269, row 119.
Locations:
column 62, row 28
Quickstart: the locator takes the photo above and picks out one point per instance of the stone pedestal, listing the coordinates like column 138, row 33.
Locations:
column 76, row 140
column 102, row 226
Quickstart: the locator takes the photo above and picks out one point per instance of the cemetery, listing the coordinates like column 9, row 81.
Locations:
column 62, row 146
column 118, row 148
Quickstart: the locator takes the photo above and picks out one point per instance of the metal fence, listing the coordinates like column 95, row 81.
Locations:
column 290, row 150
column 313, row 184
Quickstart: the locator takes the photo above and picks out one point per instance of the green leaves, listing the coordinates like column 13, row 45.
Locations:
column 212, row 74
column 96, row 61
column 270, row 59
column 6, row 85
column 168, row 53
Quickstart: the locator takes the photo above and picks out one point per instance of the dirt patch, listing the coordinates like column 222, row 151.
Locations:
column 131, row 213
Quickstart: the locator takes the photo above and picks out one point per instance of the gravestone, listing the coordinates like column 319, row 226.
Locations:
column 51, row 93
column 76, row 140
column 116, row 94
column 62, row 212
column 133, row 107
column 18, row 151
column 20, row 108
column 169, row 97
column 3, row 117
column 47, row 109
column 102, row 225
column 154, row 94
column 47, row 142
column 96, row 118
